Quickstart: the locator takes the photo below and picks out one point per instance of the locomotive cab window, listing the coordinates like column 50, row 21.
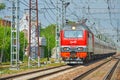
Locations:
column 73, row 34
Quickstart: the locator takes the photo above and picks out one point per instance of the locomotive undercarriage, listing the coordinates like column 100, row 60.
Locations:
column 74, row 59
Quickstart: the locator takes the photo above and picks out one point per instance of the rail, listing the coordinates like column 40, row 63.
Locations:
column 89, row 71
column 110, row 73
column 27, row 73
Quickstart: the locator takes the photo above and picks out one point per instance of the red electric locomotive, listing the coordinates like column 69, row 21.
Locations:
column 79, row 45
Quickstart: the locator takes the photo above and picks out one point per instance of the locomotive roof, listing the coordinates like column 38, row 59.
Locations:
column 78, row 27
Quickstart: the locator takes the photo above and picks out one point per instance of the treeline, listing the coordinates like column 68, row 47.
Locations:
column 49, row 34
column 5, row 44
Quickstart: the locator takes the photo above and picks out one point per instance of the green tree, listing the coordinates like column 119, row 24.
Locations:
column 49, row 34
column 23, row 44
column 2, row 6
column 5, row 43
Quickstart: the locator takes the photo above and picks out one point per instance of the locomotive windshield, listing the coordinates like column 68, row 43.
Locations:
column 73, row 34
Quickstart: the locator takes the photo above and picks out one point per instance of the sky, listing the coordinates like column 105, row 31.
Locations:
column 104, row 13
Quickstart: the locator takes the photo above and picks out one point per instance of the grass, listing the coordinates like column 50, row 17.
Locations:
column 4, row 67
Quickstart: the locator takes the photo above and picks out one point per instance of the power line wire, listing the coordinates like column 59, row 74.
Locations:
column 49, row 7
column 39, row 11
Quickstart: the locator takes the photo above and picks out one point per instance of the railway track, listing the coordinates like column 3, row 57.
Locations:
column 59, row 72
column 50, row 72
column 39, row 73
column 28, row 73
column 42, row 77
column 56, row 75
column 110, row 73
column 85, row 75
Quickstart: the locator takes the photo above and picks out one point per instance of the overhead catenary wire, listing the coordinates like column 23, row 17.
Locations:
column 27, row 5
column 47, row 18
column 110, row 16
column 110, row 12
column 53, row 4
column 49, row 12
column 50, row 8
column 45, row 10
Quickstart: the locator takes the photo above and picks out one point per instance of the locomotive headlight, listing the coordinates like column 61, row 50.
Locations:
column 65, row 48
column 80, row 48
column 73, row 27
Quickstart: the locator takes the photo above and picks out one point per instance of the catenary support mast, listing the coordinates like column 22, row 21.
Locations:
column 60, row 22
column 34, row 50
column 57, row 31
column 15, row 35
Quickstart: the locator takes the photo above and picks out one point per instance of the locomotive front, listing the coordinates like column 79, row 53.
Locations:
column 73, row 41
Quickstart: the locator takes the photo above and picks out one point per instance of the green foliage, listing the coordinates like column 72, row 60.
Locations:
column 49, row 34
column 2, row 6
column 23, row 44
column 5, row 43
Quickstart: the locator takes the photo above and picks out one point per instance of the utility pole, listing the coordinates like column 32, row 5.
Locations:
column 58, row 24
column 15, row 36
column 63, row 13
column 48, row 49
column 34, row 32
column 64, row 6
column 118, row 30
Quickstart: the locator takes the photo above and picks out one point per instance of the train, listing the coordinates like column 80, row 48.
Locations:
column 79, row 45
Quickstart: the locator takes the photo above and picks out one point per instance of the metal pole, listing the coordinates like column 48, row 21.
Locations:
column 57, row 31
column 62, row 13
column 15, row 35
column 34, row 32
column 38, row 33
column 48, row 50
column 29, row 48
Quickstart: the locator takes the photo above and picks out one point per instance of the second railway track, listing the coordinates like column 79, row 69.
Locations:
column 111, row 72
column 94, row 72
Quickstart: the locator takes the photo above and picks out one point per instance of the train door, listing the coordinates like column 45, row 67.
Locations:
column 90, row 45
